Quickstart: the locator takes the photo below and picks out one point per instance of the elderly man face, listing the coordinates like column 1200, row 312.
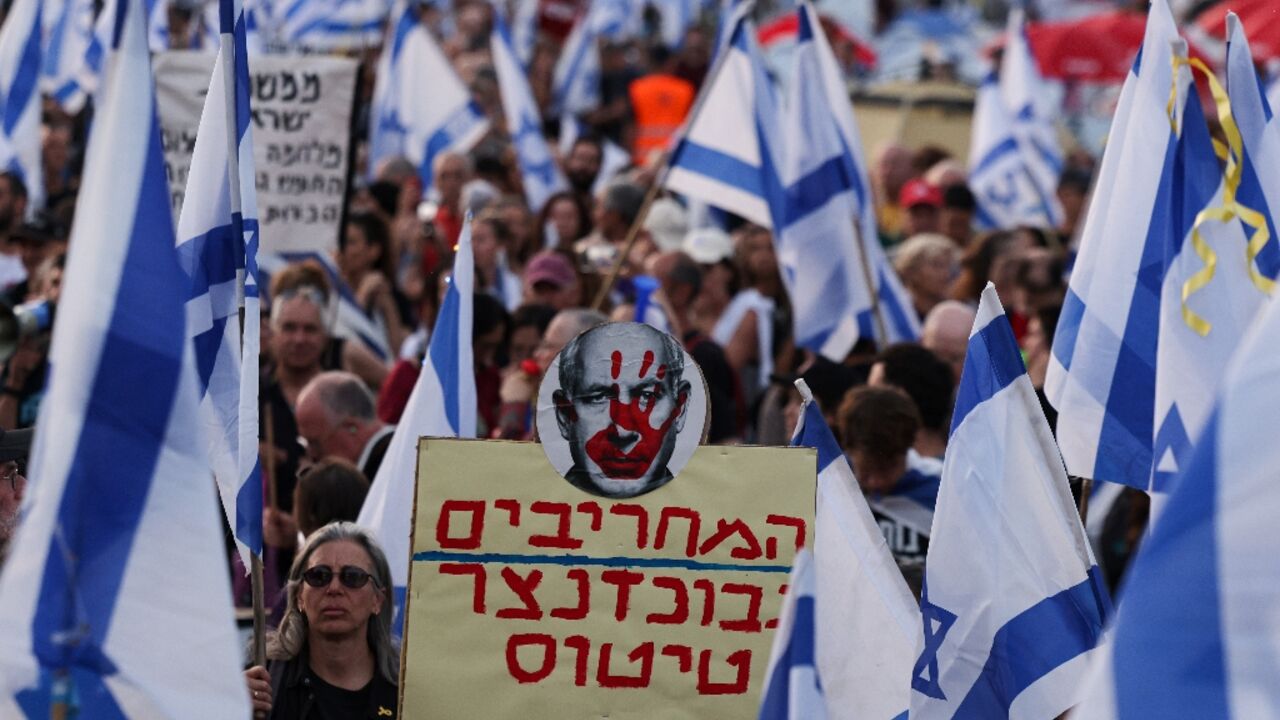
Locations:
column 621, row 406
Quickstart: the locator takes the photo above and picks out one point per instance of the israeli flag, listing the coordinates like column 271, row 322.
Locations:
column 1195, row 635
column 421, row 108
column 1013, row 603
column 999, row 173
column 1207, row 300
column 828, row 213
column 538, row 170
column 442, row 404
column 792, row 685
column 347, row 320
column 524, row 30
column 65, row 71
column 20, row 61
column 870, row 622
column 731, row 152
column 119, row 558
column 675, row 17
column 575, row 80
column 1101, row 375
column 1032, row 103
column 218, row 247
column 1260, row 152
column 331, row 25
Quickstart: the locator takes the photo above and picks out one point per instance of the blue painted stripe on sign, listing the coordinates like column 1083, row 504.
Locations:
column 660, row 563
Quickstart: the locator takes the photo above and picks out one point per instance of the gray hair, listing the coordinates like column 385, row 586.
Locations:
column 342, row 395
column 571, row 360
column 290, row 639
column 624, row 198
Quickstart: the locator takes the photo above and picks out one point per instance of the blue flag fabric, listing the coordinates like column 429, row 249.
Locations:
column 119, row 557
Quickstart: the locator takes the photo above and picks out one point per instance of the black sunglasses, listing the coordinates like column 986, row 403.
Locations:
column 350, row 576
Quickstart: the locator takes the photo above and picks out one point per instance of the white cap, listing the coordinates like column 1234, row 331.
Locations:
column 708, row 246
column 667, row 223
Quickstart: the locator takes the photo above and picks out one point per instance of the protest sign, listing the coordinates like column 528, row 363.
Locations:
column 530, row 597
column 302, row 138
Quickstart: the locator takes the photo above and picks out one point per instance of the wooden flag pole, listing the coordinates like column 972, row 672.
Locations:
column 882, row 330
column 1086, row 487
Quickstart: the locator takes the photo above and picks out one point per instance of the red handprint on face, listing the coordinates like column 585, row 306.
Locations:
column 626, row 449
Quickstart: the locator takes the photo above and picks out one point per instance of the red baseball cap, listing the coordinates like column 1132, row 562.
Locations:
column 918, row 192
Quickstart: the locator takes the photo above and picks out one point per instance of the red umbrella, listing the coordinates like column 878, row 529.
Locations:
column 1099, row 48
column 1260, row 19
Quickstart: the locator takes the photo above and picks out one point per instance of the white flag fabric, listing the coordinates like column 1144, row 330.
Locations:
column 792, row 685
column 1195, row 634
column 119, row 558
column 20, row 61
column 825, row 212
column 1101, row 375
column 218, row 244
column 730, row 152
column 538, row 170
column 1033, row 102
column 575, row 81
column 421, row 108
column 69, row 35
column 868, row 621
column 999, row 172
column 442, row 404
column 1013, row 603
column 330, row 25
column 1209, row 298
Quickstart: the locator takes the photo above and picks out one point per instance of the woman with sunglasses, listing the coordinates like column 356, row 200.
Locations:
column 332, row 656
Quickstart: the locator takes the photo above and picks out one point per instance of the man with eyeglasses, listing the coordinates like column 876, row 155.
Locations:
column 14, row 447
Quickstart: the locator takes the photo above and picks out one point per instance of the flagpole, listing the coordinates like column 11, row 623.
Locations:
column 1086, row 487
column 876, row 312
column 660, row 179
column 228, row 60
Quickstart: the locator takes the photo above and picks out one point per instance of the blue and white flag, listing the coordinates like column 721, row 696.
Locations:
column 330, row 25
column 1208, row 299
column 119, row 557
column 1101, row 375
column 1260, row 152
column 731, row 151
column 828, row 213
column 442, row 404
column 524, row 30
column 218, row 244
column 20, row 62
column 1013, row 603
column 575, row 80
column 999, row 172
column 66, row 69
column 421, row 108
column 676, row 16
column 1033, row 102
column 1195, row 634
column 538, row 170
column 868, row 636
column 793, row 688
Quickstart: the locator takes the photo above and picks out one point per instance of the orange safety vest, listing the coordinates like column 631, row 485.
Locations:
column 660, row 104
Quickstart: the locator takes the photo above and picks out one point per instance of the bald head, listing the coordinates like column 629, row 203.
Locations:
column 336, row 416
column 565, row 326
column 946, row 332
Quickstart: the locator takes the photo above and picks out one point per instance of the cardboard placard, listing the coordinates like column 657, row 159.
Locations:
column 530, row 598
column 301, row 112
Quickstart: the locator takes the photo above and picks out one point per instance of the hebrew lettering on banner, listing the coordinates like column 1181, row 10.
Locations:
column 301, row 112
column 530, row 597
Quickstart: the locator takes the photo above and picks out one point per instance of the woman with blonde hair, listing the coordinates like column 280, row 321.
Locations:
column 927, row 263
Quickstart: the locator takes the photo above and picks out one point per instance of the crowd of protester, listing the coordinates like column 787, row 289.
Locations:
column 330, row 404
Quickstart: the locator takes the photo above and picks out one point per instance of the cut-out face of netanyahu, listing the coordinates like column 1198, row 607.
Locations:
column 621, row 404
